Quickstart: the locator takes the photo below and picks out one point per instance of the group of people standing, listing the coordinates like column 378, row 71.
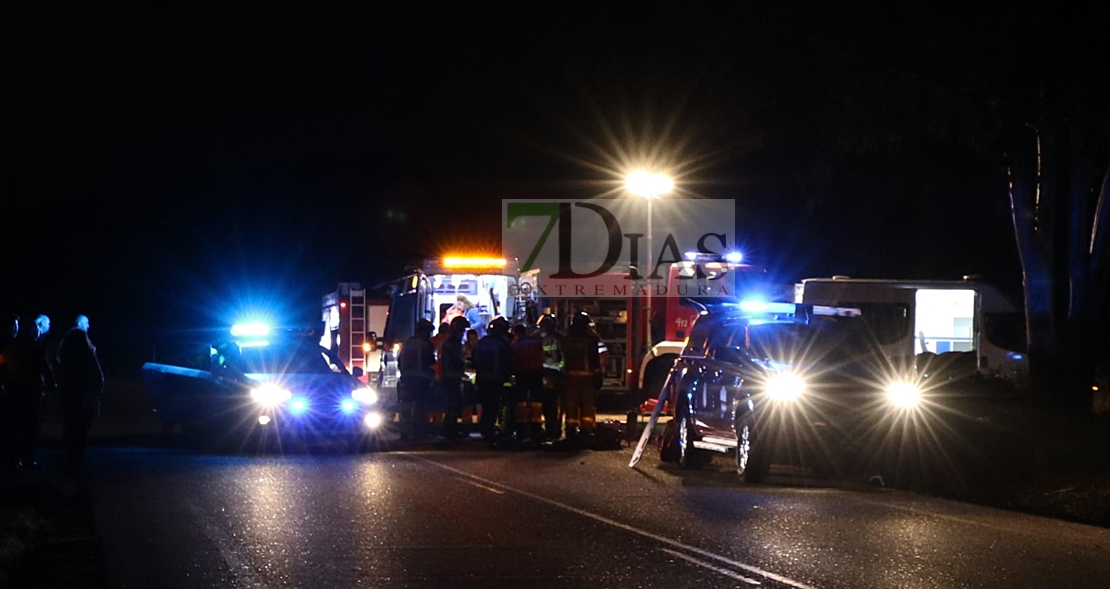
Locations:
column 29, row 370
column 532, row 384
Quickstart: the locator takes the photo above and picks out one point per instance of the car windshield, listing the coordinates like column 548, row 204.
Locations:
column 833, row 342
column 286, row 358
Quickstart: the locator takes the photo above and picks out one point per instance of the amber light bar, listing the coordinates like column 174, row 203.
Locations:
column 467, row 262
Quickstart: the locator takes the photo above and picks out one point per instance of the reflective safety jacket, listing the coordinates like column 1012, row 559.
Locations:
column 553, row 352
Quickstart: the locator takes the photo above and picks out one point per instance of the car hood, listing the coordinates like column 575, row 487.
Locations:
column 311, row 384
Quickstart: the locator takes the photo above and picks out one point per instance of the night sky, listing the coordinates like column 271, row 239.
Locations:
column 165, row 170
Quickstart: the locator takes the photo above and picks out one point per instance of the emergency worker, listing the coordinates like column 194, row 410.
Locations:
column 469, row 310
column 416, row 363
column 528, row 390
column 452, row 372
column 437, row 368
column 81, row 386
column 583, row 377
column 27, row 376
column 493, row 367
column 553, row 378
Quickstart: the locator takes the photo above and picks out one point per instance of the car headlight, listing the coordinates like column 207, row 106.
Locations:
column 366, row 396
column 372, row 420
column 785, row 386
column 903, row 394
column 270, row 395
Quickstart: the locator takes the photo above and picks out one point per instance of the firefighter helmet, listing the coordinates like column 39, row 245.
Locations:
column 499, row 326
column 459, row 323
column 581, row 320
column 425, row 327
column 546, row 323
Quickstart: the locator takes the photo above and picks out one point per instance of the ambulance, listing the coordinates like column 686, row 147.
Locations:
column 433, row 292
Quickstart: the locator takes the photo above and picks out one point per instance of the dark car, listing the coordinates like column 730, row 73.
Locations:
column 783, row 383
column 277, row 389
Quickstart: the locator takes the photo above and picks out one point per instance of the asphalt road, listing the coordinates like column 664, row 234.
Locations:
column 469, row 516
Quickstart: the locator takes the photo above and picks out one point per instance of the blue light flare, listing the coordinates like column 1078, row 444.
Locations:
column 298, row 406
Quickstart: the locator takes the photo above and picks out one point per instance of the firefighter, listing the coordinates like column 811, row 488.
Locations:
column 528, row 390
column 552, row 342
column 493, row 367
column 452, row 371
column 437, row 370
column 582, row 362
column 416, row 363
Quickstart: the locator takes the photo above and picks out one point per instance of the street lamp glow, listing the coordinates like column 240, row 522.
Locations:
column 648, row 185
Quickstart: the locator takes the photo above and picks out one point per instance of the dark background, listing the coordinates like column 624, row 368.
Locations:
column 166, row 171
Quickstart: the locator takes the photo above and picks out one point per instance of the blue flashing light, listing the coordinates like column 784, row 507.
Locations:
column 298, row 406
column 254, row 344
column 254, row 329
column 754, row 306
column 348, row 406
column 734, row 257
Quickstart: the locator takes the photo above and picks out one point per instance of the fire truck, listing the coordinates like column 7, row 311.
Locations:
column 432, row 290
column 639, row 363
column 352, row 323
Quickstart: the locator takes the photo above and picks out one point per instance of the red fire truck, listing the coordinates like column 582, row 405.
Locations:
column 639, row 364
column 352, row 324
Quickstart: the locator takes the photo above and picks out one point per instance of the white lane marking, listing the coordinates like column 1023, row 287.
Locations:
column 227, row 547
column 481, row 486
column 711, row 567
column 625, row 527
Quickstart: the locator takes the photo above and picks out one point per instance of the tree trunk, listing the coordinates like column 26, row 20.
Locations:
column 1029, row 232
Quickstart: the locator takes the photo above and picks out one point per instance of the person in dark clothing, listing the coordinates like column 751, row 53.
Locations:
column 528, row 391
column 452, row 370
column 553, row 378
column 8, row 335
column 81, row 386
column 416, row 363
column 27, row 375
column 583, row 372
column 493, row 367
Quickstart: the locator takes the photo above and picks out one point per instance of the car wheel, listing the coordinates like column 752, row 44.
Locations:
column 688, row 455
column 753, row 460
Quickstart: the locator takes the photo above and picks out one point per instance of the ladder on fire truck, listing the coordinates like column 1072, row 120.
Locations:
column 357, row 334
column 345, row 316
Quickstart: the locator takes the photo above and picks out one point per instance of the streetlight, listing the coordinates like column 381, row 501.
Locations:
column 650, row 186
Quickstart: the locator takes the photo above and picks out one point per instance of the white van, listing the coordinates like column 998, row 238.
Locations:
column 954, row 326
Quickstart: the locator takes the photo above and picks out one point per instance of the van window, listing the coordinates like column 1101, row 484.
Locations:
column 888, row 322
